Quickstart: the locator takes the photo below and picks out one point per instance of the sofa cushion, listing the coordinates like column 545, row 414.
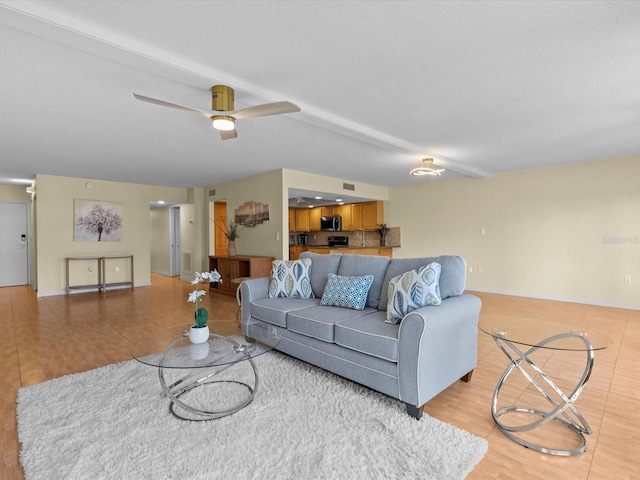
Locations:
column 321, row 267
column 369, row 334
column 412, row 290
column 452, row 275
column 318, row 321
column 275, row 310
column 354, row 265
column 290, row 278
column 347, row 292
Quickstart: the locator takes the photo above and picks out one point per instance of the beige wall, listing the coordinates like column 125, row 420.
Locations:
column 263, row 239
column 55, row 218
column 272, row 237
column 570, row 232
column 14, row 193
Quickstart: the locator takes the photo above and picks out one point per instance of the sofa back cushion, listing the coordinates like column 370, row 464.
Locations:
column 452, row 276
column 358, row 265
column 321, row 267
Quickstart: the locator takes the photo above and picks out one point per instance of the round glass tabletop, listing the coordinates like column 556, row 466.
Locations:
column 530, row 332
column 171, row 348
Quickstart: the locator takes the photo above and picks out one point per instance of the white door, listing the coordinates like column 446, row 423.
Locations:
column 14, row 251
column 174, row 233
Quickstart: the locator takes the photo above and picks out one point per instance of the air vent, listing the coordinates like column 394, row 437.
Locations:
column 212, row 193
column 186, row 262
column 349, row 186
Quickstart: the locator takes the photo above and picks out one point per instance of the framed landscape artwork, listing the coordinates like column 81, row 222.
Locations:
column 97, row 221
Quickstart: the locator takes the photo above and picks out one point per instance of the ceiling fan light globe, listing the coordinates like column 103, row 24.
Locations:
column 223, row 122
column 427, row 168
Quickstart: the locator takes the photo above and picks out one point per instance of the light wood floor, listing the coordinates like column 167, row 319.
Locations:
column 53, row 336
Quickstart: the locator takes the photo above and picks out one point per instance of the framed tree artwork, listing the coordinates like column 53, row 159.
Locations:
column 97, row 221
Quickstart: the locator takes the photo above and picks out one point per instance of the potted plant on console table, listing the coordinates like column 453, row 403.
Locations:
column 232, row 232
column 199, row 332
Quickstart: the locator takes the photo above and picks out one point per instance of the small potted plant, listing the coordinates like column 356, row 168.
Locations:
column 382, row 231
column 199, row 332
column 232, row 232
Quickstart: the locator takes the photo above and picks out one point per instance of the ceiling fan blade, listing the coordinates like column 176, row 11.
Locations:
column 228, row 134
column 162, row 103
column 275, row 108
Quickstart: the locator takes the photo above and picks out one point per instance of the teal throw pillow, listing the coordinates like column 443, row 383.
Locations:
column 348, row 292
column 291, row 278
column 412, row 290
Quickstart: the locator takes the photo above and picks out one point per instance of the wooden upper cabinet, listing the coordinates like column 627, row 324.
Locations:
column 372, row 215
column 302, row 220
column 356, row 216
column 292, row 219
column 347, row 220
column 330, row 210
column 314, row 218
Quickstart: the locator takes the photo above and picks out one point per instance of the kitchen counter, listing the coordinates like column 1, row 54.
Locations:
column 383, row 251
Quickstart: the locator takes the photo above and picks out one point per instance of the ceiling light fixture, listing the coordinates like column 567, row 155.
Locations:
column 223, row 122
column 427, row 168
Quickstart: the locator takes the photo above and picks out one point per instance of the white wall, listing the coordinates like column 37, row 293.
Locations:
column 569, row 232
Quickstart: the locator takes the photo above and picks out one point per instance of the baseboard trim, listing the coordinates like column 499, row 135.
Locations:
column 585, row 301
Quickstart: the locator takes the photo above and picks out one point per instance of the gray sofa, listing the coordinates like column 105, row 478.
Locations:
column 413, row 361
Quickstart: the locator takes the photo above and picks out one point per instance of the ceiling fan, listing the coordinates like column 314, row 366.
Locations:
column 221, row 115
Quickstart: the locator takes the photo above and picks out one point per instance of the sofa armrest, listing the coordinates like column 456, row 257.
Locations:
column 251, row 290
column 437, row 346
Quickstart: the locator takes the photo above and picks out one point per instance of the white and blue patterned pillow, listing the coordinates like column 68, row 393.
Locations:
column 348, row 292
column 291, row 278
column 412, row 290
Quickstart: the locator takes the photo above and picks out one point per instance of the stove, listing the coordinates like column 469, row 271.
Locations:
column 338, row 241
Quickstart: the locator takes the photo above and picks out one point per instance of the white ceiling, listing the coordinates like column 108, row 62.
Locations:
column 483, row 87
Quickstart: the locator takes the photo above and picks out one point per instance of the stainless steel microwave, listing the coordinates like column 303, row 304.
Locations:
column 331, row 224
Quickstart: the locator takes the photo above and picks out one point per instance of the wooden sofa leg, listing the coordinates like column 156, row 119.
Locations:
column 414, row 411
column 467, row 377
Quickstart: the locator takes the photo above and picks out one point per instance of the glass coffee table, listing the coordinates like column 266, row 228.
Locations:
column 519, row 339
column 184, row 367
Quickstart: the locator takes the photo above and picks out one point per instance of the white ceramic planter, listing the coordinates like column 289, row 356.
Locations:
column 199, row 335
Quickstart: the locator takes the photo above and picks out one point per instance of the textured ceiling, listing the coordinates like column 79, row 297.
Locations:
column 483, row 87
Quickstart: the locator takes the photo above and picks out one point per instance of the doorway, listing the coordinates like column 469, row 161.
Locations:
column 219, row 223
column 175, row 263
column 14, row 244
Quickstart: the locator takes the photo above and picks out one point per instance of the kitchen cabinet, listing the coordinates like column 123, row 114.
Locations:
column 302, row 220
column 372, row 215
column 345, row 212
column 292, row 219
column 231, row 268
column 296, row 250
column 315, row 214
column 330, row 210
column 356, row 216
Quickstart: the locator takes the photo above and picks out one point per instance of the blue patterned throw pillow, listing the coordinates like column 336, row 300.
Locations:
column 412, row 290
column 348, row 292
column 290, row 278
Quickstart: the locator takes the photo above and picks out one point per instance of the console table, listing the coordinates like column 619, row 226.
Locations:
column 231, row 268
column 101, row 263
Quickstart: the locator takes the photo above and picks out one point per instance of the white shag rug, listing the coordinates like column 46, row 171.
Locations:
column 304, row 423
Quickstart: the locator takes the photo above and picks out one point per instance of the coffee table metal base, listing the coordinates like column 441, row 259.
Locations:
column 178, row 391
column 563, row 405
